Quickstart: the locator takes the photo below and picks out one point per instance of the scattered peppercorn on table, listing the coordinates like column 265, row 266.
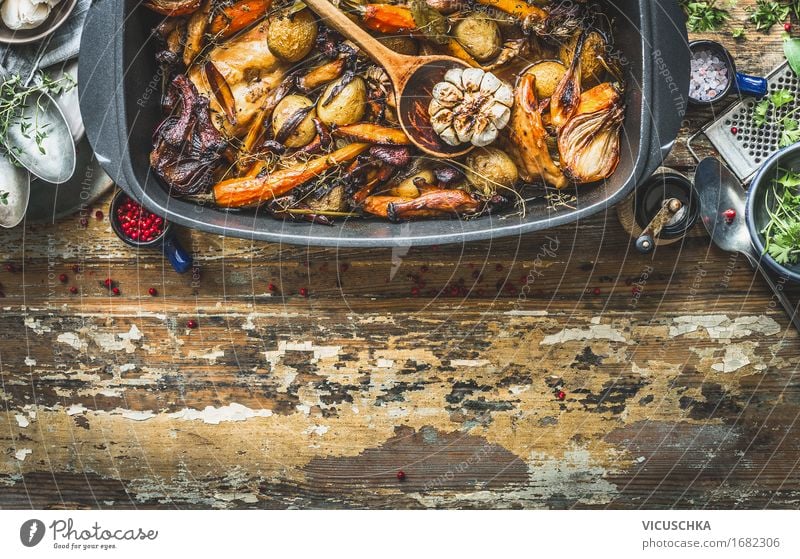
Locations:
column 560, row 369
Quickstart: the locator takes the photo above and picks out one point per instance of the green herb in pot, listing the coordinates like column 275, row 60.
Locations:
column 782, row 233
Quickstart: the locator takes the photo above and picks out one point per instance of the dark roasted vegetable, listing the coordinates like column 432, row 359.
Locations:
column 187, row 149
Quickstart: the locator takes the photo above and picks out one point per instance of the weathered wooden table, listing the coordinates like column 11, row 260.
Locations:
column 677, row 371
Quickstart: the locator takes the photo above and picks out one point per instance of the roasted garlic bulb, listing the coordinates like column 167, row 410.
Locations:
column 470, row 106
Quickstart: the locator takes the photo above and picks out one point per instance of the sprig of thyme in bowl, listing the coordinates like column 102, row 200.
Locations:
column 15, row 98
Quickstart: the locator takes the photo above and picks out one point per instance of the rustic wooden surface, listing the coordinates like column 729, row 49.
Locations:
column 678, row 372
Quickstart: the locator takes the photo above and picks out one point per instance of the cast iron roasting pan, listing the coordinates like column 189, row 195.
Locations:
column 120, row 88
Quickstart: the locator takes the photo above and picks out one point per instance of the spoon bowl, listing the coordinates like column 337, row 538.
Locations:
column 413, row 79
column 719, row 190
column 15, row 189
column 51, row 157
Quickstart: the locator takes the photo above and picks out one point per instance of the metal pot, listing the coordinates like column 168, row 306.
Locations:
column 120, row 90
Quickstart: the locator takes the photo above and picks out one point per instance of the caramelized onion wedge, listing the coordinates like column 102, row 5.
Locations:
column 249, row 191
column 373, row 133
column 567, row 96
column 599, row 98
column 221, row 90
column 589, row 145
column 173, row 7
column 237, row 16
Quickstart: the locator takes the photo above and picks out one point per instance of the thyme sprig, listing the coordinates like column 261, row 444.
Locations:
column 16, row 97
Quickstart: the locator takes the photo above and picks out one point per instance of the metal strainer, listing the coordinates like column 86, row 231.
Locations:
column 745, row 151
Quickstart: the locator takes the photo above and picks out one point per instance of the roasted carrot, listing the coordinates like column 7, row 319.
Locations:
column 322, row 75
column 373, row 133
column 248, row 191
column 385, row 18
column 236, row 17
column 433, row 203
column 517, row 8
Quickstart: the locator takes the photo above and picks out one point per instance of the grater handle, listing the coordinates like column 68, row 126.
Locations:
column 751, row 85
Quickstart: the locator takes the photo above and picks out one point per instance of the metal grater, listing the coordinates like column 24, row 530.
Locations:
column 746, row 151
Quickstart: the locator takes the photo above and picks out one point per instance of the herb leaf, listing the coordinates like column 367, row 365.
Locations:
column 704, row 16
column 767, row 13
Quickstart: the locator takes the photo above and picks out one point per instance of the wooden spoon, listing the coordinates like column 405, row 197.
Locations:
column 413, row 78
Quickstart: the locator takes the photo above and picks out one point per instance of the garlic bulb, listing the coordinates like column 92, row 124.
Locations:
column 26, row 14
column 470, row 106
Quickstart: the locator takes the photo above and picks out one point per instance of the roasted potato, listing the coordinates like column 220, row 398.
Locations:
column 480, row 37
column 594, row 52
column 490, row 169
column 548, row 73
column 285, row 110
column 291, row 37
column 406, row 187
column 343, row 104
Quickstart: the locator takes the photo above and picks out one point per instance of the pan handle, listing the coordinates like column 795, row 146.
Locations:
column 670, row 57
column 99, row 85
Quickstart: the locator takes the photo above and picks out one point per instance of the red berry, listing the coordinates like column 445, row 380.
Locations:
column 108, row 282
column 73, row 290
column 787, row 27
column 303, row 292
column 84, row 222
column 499, row 267
column 401, row 475
column 272, row 287
column 63, row 278
column 191, row 323
column 596, row 291
column 152, row 291
column 729, row 215
column 115, row 291
column 561, row 395
column 415, row 291
column 98, row 215
column 11, row 268
column 734, row 130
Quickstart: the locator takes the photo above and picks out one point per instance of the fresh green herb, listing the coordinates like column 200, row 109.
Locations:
column 15, row 98
column 782, row 233
column 767, row 13
column 790, row 133
column 795, row 6
column 4, row 197
column 791, row 49
column 704, row 16
column 761, row 112
column 766, row 110
column 781, row 98
column 738, row 33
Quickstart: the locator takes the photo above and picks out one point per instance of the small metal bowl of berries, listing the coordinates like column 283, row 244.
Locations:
column 140, row 228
